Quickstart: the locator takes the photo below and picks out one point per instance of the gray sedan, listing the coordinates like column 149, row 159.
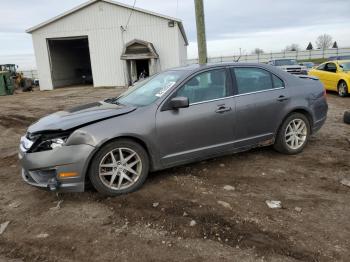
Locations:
column 176, row 117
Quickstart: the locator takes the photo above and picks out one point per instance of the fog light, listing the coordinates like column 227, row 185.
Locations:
column 68, row 174
column 52, row 184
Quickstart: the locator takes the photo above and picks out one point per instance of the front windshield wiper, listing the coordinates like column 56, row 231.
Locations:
column 113, row 100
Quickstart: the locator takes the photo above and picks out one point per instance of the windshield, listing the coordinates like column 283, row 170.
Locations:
column 149, row 90
column 308, row 64
column 345, row 66
column 284, row 62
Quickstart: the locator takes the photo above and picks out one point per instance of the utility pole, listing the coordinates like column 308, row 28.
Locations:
column 201, row 38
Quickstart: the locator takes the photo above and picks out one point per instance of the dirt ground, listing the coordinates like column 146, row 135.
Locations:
column 185, row 213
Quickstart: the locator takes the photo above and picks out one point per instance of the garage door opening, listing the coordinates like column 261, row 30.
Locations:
column 70, row 61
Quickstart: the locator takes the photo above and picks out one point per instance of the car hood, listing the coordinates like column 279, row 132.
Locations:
column 291, row 66
column 79, row 116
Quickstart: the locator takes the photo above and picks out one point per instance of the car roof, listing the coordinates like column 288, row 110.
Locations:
column 196, row 67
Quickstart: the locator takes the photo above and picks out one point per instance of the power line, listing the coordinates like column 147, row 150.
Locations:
column 132, row 10
column 177, row 7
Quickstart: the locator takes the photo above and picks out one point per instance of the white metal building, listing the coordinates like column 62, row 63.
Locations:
column 106, row 43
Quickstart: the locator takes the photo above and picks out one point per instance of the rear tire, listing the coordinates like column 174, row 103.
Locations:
column 343, row 90
column 119, row 167
column 293, row 135
column 347, row 117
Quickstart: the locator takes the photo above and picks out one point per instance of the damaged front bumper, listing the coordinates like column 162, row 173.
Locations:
column 44, row 169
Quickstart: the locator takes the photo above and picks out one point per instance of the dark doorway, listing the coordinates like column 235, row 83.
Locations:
column 70, row 61
column 142, row 67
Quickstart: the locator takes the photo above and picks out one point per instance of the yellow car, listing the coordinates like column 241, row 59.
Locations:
column 335, row 76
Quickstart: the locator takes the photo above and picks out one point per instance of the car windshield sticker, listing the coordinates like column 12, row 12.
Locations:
column 164, row 89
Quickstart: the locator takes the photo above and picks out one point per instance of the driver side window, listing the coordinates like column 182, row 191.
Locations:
column 321, row 67
column 331, row 67
column 205, row 86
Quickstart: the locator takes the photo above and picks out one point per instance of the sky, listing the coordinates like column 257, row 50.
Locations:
column 231, row 25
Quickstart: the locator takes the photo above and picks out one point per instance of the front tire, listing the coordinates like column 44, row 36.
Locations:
column 343, row 90
column 119, row 167
column 293, row 135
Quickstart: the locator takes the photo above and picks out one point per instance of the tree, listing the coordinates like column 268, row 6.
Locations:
column 324, row 41
column 335, row 45
column 309, row 47
column 292, row 47
column 258, row 51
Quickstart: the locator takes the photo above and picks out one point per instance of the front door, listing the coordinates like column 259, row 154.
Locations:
column 203, row 129
column 260, row 102
column 330, row 77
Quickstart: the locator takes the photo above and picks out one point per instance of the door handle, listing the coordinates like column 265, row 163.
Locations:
column 223, row 109
column 282, row 98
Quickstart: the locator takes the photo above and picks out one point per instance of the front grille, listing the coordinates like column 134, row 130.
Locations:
column 294, row 70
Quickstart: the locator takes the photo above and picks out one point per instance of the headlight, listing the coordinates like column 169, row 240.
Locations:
column 52, row 143
column 58, row 142
column 45, row 142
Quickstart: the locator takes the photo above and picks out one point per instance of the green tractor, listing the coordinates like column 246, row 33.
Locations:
column 18, row 80
column 11, row 68
column 6, row 83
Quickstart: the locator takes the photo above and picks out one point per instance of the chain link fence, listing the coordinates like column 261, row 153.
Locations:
column 265, row 57
column 33, row 74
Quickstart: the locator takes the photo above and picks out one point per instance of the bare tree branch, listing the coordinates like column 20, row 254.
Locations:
column 324, row 41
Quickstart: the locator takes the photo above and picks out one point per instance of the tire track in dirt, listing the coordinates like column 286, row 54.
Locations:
column 234, row 232
column 16, row 121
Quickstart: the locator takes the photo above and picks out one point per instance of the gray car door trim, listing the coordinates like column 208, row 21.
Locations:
column 218, row 146
column 245, row 94
column 257, row 92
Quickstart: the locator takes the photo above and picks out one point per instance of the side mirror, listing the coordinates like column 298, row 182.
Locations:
column 179, row 102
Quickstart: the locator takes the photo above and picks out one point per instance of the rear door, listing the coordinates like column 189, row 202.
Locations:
column 261, row 99
column 204, row 128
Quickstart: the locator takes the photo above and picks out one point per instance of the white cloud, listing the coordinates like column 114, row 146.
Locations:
column 271, row 41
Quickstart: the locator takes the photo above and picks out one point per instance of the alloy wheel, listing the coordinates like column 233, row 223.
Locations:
column 296, row 133
column 120, row 168
column 342, row 89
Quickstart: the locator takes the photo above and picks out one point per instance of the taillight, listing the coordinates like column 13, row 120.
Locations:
column 324, row 93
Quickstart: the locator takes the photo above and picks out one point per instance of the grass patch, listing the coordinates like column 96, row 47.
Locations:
column 314, row 60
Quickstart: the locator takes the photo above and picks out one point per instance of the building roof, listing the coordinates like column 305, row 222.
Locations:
column 79, row 7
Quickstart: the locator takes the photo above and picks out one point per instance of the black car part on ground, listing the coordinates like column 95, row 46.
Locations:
column 347, row 117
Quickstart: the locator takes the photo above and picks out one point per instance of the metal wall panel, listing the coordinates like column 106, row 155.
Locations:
column 102, row 22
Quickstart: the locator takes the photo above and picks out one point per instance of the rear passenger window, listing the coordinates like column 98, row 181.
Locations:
column 252, row 80
column 277, row 82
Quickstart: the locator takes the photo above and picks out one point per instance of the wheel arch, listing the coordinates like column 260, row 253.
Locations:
column 136, row 139
column 342, row 80
column 300, row 110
